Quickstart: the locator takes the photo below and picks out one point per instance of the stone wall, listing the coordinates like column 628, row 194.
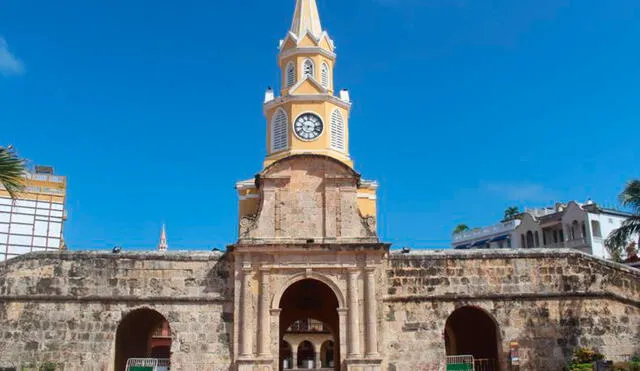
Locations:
column 550, row 301
column 308, row 197
column 66, row 307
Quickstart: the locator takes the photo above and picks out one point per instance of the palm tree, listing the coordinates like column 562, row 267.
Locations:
column 12, row 170
column 461, row 228
column 511, row 213
column 620, row 238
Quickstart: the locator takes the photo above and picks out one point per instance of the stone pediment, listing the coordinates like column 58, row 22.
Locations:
column 308, row 198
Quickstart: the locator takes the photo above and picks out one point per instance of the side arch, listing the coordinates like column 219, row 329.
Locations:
column 472, row 330
column 275, row 301
column 135, row 336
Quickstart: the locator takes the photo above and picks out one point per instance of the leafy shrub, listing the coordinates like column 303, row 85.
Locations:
column 587, row 355
column 48, row 366
column 583, row 359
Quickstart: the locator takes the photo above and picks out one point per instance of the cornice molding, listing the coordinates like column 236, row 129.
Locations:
column 313, row 37
column 306, row 98
column 305, row 50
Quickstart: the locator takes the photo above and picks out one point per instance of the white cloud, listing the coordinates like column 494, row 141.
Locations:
column 522, row 192
column 9, row 64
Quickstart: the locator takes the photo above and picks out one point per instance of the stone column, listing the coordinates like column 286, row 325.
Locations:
column 246, row 346
column 263, row 340
column 294, row 356
column 371, row 312
column 342, row 336
column 354, row 327
column 318, row 361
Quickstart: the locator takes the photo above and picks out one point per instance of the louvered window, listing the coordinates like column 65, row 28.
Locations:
column 291, row 75
column 308, row 68
column 325, row 75
column 337, row 131
column 279, row 135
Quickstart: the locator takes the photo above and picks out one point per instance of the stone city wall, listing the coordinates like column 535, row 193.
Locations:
column 65, row 307
column 549, row 301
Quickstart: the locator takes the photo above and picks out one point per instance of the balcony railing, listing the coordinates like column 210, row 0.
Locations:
column 308, row 325
column 45, row 178
column 487, row 231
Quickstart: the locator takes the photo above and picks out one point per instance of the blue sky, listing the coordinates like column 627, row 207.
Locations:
column 461, row 108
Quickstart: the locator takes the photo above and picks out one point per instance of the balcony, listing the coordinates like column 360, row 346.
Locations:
column 308, row 326
column 497, row 229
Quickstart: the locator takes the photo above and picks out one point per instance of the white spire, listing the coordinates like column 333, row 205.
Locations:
column 306, row 17
column 163, row 246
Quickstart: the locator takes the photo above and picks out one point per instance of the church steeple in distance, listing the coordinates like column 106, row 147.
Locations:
column 163, row 245
column 307, row 117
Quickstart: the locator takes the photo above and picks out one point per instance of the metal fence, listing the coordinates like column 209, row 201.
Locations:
column 485, row 365
column 460, row 363
column 147, row 364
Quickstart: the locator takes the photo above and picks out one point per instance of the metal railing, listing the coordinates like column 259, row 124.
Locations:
column 484, row 365
column 460, row 363
column 153, row 364
column 487, row 231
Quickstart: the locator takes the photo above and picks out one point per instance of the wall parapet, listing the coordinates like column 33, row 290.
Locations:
column 132, row 277
column 535, row 274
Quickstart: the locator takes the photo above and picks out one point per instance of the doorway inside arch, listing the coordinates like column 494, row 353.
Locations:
column 309, row 322
column 143, row 333
column 472, row 332
column 327, row 354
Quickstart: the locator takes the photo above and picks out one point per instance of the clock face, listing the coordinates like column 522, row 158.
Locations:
column 308, row 126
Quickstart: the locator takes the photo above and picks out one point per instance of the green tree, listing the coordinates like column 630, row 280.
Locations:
column 511, row 213
column 619, row 239
column 461, row 228
column 12, row 169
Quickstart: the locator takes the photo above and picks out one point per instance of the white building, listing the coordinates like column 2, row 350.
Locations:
column 34, row 221
column 584, row 227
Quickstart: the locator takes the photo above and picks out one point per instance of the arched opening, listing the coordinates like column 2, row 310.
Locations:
column 306, row 355
column 308, row 68
column 327, row 352
column 290, row 75
column 143, row 333
column 529, row 240
column 286, row 355
column 574, row 230
column 309, row 310
column 472, row 332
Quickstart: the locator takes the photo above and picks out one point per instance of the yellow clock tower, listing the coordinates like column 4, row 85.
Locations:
column 307, row 117
column 308, row 189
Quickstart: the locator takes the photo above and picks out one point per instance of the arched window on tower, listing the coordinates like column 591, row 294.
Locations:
column 290, row 74
column 308, row 68
column 325, row 75
column 279, row 132
column 337, row 131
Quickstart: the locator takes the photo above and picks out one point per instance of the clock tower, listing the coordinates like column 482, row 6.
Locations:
column 307, row 247
column 307, row 117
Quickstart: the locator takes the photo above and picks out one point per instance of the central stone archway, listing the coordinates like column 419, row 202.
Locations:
column 302, row 304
